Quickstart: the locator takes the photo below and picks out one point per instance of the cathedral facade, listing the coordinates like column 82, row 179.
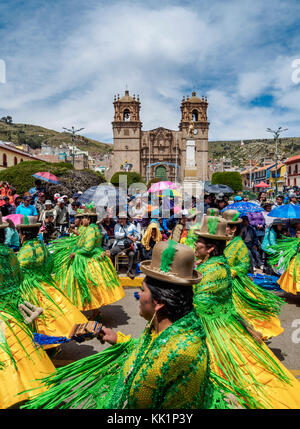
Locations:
column 161, row 152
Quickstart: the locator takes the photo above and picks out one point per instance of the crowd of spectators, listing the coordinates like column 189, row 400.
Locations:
column 135, row 231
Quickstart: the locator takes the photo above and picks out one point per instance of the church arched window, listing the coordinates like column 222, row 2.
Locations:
column 126, row 115
column 195, row 115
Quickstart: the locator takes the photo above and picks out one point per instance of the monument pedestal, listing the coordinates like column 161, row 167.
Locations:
column 190, row 170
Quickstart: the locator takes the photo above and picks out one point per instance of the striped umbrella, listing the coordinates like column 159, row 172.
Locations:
column 161, row 186
column 46, row 177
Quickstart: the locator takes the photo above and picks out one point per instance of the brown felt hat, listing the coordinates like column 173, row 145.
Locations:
column 87, row 212
column 228, row 215
column 213, row 212
column 32, row 223
column 181, row 269
column 213, row 227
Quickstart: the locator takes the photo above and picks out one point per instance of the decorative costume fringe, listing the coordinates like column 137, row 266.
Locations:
column 256, row 302
column 285, row 249
column 7, row 313
column 75, row 275
column 35, row 284
column 229, row 343
column 259, row 306
column 43, row 340
column 74, row 382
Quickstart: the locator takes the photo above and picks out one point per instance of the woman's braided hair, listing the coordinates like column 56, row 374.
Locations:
column 178, row 300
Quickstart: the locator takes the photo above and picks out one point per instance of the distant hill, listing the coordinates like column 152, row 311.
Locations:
column 34, row 136
column 258, row 149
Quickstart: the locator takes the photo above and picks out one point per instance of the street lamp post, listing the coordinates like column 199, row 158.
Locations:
column 276, row 134
column 250, row 156
column 73, row 131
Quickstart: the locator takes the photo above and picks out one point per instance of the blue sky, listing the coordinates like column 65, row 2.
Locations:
column 65, row 61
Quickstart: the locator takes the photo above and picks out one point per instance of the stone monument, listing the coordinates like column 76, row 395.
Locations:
column 190, row 170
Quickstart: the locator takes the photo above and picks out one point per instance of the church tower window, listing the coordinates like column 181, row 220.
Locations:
column 195, row 115
column 126, row 115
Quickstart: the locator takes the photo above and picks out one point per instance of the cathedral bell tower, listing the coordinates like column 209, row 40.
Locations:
column 127, row 133
column 194, row 110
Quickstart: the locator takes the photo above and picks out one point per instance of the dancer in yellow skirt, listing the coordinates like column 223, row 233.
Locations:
column 22, row 364
column 245, row 364
column 86, row 274
column 60, row 315
column 257, row 305
column 287, row 256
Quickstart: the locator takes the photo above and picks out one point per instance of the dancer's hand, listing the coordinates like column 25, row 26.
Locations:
column 107, row 334
column 72, row 255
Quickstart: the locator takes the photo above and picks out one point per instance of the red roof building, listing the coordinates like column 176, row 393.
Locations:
column 293, row 170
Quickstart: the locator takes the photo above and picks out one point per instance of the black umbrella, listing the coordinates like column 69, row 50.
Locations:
column 103, row 196
column 217, row 189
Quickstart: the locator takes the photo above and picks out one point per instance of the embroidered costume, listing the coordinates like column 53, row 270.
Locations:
column 22, row 364
column 89, row 279
column 257, row 305
column 256, row 376
column 59, row 315
column 161, row 369
column 287, row 258
column 168, row 370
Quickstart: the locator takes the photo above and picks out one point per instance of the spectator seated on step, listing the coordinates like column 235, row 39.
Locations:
column 151, row 236
column 126, row 236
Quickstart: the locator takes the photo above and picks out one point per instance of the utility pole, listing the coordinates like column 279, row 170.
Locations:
column 276, row 134
column 250, row 156
column 73, row 131
column 176, row 167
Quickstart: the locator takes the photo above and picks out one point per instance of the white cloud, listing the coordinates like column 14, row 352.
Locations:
column 62, row 78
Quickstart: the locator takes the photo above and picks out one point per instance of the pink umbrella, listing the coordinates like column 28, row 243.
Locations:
column 177, row 209
column 16, row 218
column 262, row 185
column 47, row 177
column 161, row 186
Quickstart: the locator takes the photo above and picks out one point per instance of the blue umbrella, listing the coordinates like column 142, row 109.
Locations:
column 286, row 211
column 244, row 207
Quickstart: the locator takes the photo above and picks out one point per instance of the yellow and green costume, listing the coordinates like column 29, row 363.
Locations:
column 257, row 305
column 22, row 364
column 38, row 287
column 89, row 279
column 166, row 370
column 253, row 372
column 191, row 236
column 287, row 256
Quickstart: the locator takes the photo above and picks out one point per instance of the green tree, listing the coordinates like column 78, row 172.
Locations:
column 21, row 177
column 132, row 177
column 229, row 178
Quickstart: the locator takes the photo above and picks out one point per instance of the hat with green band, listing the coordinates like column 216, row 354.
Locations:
column 172, row 263
column 28, row 222
column 232, row 217
column 213, row 227
column 88, row 210
column 213, row 212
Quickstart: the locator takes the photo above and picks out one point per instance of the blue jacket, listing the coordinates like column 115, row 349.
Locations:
column 269, row 241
